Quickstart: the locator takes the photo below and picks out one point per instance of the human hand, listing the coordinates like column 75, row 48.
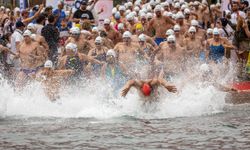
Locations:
column 125, row 92
column 171, row 88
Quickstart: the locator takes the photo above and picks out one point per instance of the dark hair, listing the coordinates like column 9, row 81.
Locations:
column 40, row 18
column 51, row 18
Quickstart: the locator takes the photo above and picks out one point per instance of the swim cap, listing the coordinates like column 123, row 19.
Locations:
column 177, row 5
column 171, row 38
column 186, row 11
column 48, row 64
column 180, row 15
column 95, row 29
column 136, row 8
column 31, row 26
column 122, row 8
column 107, row 21
column 170, row 32
column 216, row 31
column 117, row 15
column 98, row 40
column 139, row 26
column 72, row 46
column 130, row 17
column 114, row 10
column 120, row 26
column 111, row 52
column 126, row 34
column 183, row 7
column 177, row 27
column 27, row 33
column 164, row 4
column 157, row 8
column 194, row 23
column 192, row 29
column 146, row 89
column 75, row 30
column 142, row 37
column 209, row 31
column 196, row 3
column 85, row 32
column 149, row 15
column 129, row 4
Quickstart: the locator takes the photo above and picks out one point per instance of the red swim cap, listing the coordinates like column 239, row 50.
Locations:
column 146, row 89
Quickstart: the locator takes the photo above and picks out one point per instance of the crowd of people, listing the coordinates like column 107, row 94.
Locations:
column 57, row 46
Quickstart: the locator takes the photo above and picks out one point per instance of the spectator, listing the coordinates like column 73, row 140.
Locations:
column 51, row 35
column 83, row 13
column 59, row 14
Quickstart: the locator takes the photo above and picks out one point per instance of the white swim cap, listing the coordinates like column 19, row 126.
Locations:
column 209, row 31
column 136, row 8
column 129, row 4
column 126, row 34
column 149, row 8
column 170, row 32
column 130, row 17
column 111, row 52
column 218, row 4
column 120, row 26
column 30, row 26
column 169, row 14
column 75, row 30
column 7, row 10
column 194, row 23
column 157, row 8
column 95, row 29
column 72, row 46
column 171, row 38
column 192, row 29
column 204, row 2
column 114, row 10
column 149, row 15
column 227, row 12
column 186, row 11
column 142, row 37
column 85, row 32
column 196, row 3
column 27, row 33
column 180, row 15
column 177, row 27
column 122, row 8
column 98, row 40
column 216, row 31
column 164, row 4
column 183, row 7
column 177, row 5
column 48, row 64
column 107, row 21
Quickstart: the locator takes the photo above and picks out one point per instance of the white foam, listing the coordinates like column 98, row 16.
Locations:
column 92, row 101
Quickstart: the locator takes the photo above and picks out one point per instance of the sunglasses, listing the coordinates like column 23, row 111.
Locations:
column 97, row 43
column 171, row 42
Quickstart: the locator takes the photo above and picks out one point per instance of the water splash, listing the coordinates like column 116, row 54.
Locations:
column 96, row 101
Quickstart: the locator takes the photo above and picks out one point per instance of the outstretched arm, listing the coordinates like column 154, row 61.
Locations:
column 127, row 87
column 169, row 87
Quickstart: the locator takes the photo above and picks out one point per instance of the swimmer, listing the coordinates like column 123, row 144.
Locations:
column 160, row 24
column 75, row 61
column 83, row 45
column 148, row 89
column 52, row 79
column 32, row 58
